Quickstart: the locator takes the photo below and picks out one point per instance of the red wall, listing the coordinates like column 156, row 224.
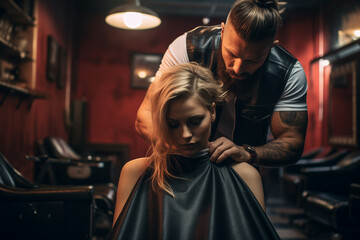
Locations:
column 103, row 78
column 299, row 35
column 20, row 128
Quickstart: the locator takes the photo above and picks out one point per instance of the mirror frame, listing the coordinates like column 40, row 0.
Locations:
column 338, row 69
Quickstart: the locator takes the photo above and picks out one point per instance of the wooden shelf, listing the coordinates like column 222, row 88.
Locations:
column 11, row 53
column 16, row 14
column 20, row 64
column 23, row 94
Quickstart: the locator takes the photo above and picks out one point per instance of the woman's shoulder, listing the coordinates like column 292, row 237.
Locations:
column 252, row 178
column 135, row 167
column 245, row 170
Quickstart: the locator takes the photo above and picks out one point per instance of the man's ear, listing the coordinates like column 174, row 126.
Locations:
column 222, row 29
column 213, row 112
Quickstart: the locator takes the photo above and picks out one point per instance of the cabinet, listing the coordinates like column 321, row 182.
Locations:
column 18, row 33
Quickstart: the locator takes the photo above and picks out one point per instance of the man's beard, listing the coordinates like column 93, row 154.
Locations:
column 234, row 85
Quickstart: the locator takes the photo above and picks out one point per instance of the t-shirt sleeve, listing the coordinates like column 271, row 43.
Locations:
column 294, row 95
column 175, row 54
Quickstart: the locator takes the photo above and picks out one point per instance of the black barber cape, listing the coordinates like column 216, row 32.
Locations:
column 212, row 202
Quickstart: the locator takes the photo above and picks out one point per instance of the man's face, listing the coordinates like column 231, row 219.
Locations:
column 242, row 58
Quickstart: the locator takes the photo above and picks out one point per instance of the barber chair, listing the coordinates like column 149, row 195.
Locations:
column 319, row 160
column 326, row 195
column 335, row 178
column 339, row 212
column 71, row 168
column 293, row 179
column 316, row 152
column 29, row 211
column 65, row 167
column 326, row 192
column 58, row 164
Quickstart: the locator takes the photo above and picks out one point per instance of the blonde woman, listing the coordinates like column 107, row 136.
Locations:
column 177, row 192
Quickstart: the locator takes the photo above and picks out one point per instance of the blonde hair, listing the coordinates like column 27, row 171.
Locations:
column 256, row 20
column 179, row 82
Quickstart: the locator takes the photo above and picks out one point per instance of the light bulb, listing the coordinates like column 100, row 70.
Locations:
column 357, row 33
column 206, row 20
column 142, row 74
column 133, row 19
column 324, row 62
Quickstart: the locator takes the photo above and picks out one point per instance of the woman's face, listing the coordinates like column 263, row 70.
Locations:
column 189, row 125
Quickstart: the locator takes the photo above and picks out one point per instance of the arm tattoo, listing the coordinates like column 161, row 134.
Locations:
column 278, row 153
column 295, row 119
column 283, row 151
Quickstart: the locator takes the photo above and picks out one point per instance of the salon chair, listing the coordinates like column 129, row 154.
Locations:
column 312, row 153
column 317, row 161
column 335, row 178
column 63, row 166
column 328, row 192
column 71, row 169
column 340, row 212
column 319, row 152
column 293, row 180
column 29, row 211
column 59, row 164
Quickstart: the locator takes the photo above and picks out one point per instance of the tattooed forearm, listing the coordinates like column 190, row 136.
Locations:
column 279, row 153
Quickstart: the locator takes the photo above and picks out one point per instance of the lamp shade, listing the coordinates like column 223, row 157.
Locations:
column 133, row 17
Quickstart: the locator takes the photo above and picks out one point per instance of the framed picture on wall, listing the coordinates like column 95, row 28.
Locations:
column 143, row 69
column 52, row 59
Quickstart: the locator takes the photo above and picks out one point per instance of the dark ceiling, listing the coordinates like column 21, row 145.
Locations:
column 203, row 8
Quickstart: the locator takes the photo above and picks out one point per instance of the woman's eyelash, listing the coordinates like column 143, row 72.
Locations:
column 173, row 124
column 196, row 121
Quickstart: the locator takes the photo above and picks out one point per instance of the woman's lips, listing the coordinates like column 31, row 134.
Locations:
column 188, row 146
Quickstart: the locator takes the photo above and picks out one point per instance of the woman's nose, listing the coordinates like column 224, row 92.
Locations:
column 186, row 132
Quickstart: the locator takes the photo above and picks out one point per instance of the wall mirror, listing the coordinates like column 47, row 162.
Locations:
column 343, row 103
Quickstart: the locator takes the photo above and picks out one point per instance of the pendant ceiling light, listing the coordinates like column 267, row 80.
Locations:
column 132, row 16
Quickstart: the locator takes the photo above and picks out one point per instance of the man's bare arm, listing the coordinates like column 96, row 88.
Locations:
column 289, row 130
column 143, row 121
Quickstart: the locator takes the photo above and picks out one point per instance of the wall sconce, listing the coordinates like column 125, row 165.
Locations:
column 132, row 16
column 324, row 62
column 348, row 35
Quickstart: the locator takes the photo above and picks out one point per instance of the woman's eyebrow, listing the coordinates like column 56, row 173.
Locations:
column 170, row 119
column 197, row 116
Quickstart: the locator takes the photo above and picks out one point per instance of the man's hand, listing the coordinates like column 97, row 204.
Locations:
column 288, row 128
column 222, row 148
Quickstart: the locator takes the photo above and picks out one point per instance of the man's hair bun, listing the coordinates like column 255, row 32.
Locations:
column 267, row 4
